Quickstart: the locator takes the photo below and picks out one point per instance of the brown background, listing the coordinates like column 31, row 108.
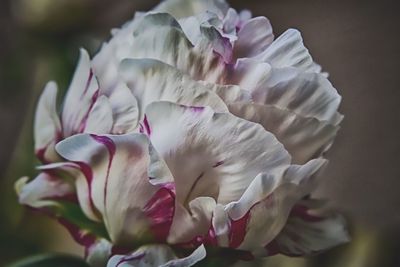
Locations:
column 357, row 42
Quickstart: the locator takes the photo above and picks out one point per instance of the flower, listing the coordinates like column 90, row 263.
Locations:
column 192, row 131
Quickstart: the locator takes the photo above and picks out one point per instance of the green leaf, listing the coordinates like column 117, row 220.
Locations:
column 51, row 260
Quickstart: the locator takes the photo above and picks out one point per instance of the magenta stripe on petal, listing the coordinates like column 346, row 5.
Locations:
column 130, row 258
column 110, row 145
column 82, row 125
column 238, row 230
column 87, row 83
column 146, row 126
column 160, row 211
column 88, row 173
column 301, row 212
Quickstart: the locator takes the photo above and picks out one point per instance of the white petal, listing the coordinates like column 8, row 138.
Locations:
column 304, row 138
column 81, row 95
column 305, row 233
column 307, row 94
column 212, row 154
column 100, row 118
column 47, row 127
column 125, row 109
column 288, row 50
column 184, row 8
column 157, row 256
column 253, row 37
column 167, row 42
column 151, row 80
column 118, row 184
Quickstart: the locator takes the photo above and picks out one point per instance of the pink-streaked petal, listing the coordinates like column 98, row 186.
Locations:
column 43, row 190
column 266, row 205
column 304, row 138
column 119, row 186
column 81, row 96
column 254, row 36
column 47, row 126
column 125, row 110
column 100, row 118
column 157, row 256
column 212, row 154
column 306, row 233
column 152, row 80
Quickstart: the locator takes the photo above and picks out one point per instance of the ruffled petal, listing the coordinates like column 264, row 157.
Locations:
column 266, row 205
column 100, row 118
column 254, row 36
column 212, row 154
column 115, row 179
column 306, row 233
column 125, row 110
column 304, row 138
column 272, row 212
column 184, row 8
column 43, row 190
column 56, row 197
column 288, row 50
column 152, row 80
column 159, row 36
column 157, row 256
column 80, row 98
column 47, row 126
column 307, row 94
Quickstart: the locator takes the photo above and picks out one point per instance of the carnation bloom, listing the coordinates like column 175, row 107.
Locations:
column 192, row 131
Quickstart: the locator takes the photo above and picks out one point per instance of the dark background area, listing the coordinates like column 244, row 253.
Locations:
column 357, row 42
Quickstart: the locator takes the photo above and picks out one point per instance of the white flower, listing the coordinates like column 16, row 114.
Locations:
column 192, row 128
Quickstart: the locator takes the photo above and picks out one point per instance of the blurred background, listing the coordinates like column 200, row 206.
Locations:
column 357, row 42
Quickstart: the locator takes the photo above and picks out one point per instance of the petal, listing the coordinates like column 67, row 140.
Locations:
column 47, row 127
column 288, row 50
column 119, row 185
column 43, row 190
column 82, row 94
column 254, row 37
column 192, row 222
column 306, row 233
column 100, row 119
column 56, row 197
column 260, row 214
column 304, row 138
column 157, row 256
column 307, row 94
column 212, row 154
column 184, row 8
column 159, row 36
column 97, row 254
column 125, row 109
column 151, row 80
